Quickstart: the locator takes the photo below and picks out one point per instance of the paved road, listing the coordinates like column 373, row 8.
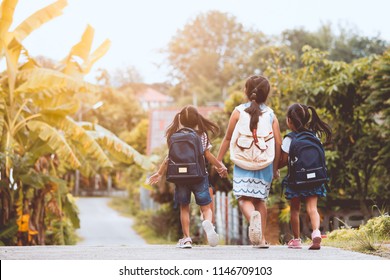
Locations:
column 102, row 226
column 109, row 236
column 165, row 252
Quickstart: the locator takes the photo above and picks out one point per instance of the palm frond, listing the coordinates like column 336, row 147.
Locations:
column 39, row 18
column 51, row 83
column 7, row 10
column 8, row 233
column 95, row 56
column 83, row 48
column 119, row 149
column 70, row 208
column 85, row 143
column 2, row 113
column 63, row 109
column 56, row 141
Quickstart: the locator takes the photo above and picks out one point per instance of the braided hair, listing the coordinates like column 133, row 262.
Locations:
column 257, row 89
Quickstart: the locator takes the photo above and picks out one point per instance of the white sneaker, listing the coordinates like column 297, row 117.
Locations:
column 254, row 231
column 184, row 243
column 212, row 236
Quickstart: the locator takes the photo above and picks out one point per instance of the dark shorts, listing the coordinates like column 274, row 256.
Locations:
column 289, row 192
column 200, row 191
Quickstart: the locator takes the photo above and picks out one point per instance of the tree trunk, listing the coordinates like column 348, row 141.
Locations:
column 362, row 202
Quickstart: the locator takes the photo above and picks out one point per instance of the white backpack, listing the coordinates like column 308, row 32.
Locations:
column 244, row 151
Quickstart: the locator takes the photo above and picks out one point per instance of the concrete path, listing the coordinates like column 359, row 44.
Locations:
column 165, row 252
column 100, row 225
column 109, row 236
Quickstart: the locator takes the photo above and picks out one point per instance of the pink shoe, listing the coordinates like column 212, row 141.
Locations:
column 316, row 237
column 295, row 244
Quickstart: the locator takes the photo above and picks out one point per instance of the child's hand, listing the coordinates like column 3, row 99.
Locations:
column 222, row 171
column 154, row 179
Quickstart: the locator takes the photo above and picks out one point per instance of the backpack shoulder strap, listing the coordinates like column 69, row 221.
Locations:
column 186, row 129
column 291, row 135
column 307, row 133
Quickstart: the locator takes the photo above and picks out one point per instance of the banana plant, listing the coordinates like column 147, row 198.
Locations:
column 36, row 105
column 16, row 108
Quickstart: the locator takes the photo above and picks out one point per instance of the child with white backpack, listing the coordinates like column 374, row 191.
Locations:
column 254, row 139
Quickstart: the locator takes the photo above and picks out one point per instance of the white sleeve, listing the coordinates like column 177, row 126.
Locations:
column 205, row 142
column 286, row 144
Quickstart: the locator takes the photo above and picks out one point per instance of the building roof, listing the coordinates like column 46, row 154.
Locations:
column 151, row 95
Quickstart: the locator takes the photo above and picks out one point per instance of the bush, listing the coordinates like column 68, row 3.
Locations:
column 161, row 226
column 379, row 226
column 368, row 238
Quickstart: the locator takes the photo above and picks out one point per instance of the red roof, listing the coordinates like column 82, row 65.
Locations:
column 151, row 95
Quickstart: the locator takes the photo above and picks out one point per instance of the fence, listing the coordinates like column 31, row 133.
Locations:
column 230, row 225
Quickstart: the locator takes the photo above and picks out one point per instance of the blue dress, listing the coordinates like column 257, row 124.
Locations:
column 252, row 183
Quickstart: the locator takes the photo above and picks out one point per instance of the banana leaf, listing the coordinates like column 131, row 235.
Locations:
column 39, row 18
column 56, row 141
column 119, row 149
column 7, row 10
column 50, row 82
column 86, row 144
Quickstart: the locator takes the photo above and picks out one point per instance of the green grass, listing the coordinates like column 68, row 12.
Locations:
column 371, row 238
column 149, row 235
column 121, row 205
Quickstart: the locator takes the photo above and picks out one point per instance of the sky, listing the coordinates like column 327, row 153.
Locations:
column 140, row 29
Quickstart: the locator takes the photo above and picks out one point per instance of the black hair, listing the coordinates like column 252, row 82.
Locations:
column 190, row 117
column 257, row 89
column 300, row 116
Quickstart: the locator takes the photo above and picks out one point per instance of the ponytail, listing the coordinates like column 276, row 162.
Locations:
column 173, row 127
column 302, row 120
column 204, row 125
column 190, row 117
column 318, row 126
column 254, row 111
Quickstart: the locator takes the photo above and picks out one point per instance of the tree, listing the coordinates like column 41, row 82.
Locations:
column 379, row 107
column 339, row 91
column 208, row 55
column 121, row 110
column 126, row 76
column 346, row 46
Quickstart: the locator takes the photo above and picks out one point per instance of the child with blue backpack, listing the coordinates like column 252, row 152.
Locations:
column 306, row 180
column 190, row 125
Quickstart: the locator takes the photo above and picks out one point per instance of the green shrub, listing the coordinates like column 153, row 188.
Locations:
column 162, row 225
column 379, row 226
column 368, row 238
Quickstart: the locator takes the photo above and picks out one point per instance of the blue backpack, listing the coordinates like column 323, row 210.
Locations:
column 186, row 162
column 306, row 161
